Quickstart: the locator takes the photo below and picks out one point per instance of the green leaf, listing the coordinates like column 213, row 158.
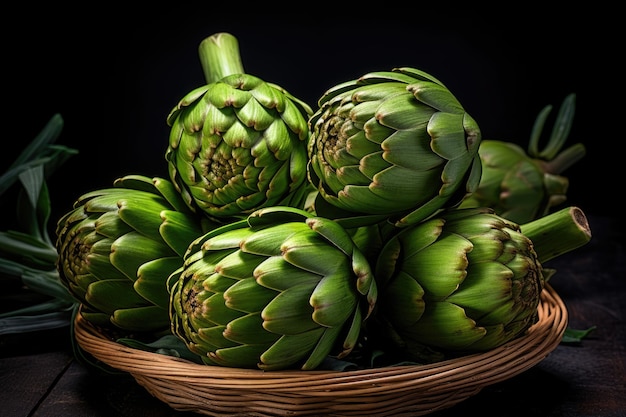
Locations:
column 48, row 135
column 168, row 345
column 576, row 335
column 31, row 323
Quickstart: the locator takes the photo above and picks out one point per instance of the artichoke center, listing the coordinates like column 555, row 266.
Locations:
column 219, row 167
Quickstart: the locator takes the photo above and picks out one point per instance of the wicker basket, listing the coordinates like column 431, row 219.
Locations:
column 390, row 391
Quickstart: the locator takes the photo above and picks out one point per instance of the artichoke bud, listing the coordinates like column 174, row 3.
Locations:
column 391, row 145
column 524, row 185
column 467, row 280
column 118, row 246
column 281, row 289
column 238, row 143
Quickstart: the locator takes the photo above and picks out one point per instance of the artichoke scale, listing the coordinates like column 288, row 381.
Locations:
column 278, row 274
column 139, row 183
column 210, row 338
column 402, row 300
column 435, row 95
column 100, row 201
column 267, row 94
column 281, row 184
column 411, row 149
column 142, row 214
column 365, row 283
column 179, row 229
column 334, row 298
column 412, row 240
column 325, row 345
column 441, row 267
column 97, row 318
column 306, row 250
column 248, row 296
column 108, row 225
column 109, row 295
column 446, row 326
column 371, row 90
column 290, row 311
column 211, row 311
column 347, row 175
column 360, row 143
column 403, row 112
column 294, row 116
column 238, row 265
column 254, row 114
column 99, row 264
column 222, row 122
column 486, row 287
column 281, row 141
column 249, row 330
column 405, row 187
column 131, row 250
column 508, row 311
column 151, row 279
column 333, row 232
column 290, row 349
column 362, row 199
column 146, row 318
column 269, row 241
column 495, row 336
column 240, row 356
column 361, row 112
column 414, row 73
column 205, row 278
column 228, row 236
column 450, row 139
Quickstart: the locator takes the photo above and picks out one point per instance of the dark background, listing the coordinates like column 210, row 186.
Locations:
column 114, row 75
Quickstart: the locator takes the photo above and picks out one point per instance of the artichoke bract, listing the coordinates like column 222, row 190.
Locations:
column 468, row 280
column 392, row 145
column 237, row 143
column 524, row 185
column 118, row 246
column 280, row 289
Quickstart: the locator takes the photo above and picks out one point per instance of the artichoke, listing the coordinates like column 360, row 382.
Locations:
column 118, row 246
column 392, row 145
column 468, row 280
column 280, row 289
column 237, row 143
column 523, row 186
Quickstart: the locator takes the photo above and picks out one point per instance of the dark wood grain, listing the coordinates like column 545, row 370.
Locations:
column 576, row 380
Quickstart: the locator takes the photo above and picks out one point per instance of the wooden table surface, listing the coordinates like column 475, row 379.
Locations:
column 41, row 378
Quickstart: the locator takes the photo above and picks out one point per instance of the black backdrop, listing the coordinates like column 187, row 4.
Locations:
column 115, row 75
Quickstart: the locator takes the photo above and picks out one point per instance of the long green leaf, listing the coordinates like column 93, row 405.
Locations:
column 23, row 324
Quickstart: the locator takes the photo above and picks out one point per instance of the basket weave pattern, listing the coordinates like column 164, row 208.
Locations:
column 414, row 390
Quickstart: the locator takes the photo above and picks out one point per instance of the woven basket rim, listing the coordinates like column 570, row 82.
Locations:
column 412, row 389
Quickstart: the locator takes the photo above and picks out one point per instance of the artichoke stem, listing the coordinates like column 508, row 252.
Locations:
column 558, row 233
column 220, row 57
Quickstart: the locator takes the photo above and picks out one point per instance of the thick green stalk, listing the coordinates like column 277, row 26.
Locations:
column 558, row 233
column 220, row 57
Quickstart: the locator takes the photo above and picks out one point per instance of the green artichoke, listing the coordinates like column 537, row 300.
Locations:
column 392, row 145
column 118, row 246
column 523, row 186
column 280, row 289
column 237, row 143
column 468, row 280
